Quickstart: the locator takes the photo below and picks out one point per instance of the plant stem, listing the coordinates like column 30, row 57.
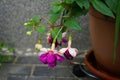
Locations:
column 57, row 34
column 46, row 20
column 117, row 28
column 54, row 41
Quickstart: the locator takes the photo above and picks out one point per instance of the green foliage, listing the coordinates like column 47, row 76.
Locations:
column 54, row 17
column 112, row 4
column 4, row 45
column 56, row 12
column 117, row 30
column 101, row 7
column 66, row 13
column 5, row 58
column 76, row 8
column 56, row 7
column 69, row 1
column 35, row 25
column 33, row 22
column 72, row 23
column 83, row 4
column 41, row 29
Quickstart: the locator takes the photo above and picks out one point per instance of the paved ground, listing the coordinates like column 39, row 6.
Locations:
column 29, row 68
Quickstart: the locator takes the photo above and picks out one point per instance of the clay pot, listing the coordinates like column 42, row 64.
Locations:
column 92, row 65
column 102, row 30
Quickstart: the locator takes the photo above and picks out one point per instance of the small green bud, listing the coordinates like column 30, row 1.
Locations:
column 31, row 19
column 39, row 41
column 25, row 24
column 28, row 33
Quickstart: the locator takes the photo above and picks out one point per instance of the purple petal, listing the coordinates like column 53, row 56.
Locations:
column 52, row 64
column 67, row 55
column 50, row 40
column 43, row 58
column 64, row 40
column 51, row 58
column 59, row 58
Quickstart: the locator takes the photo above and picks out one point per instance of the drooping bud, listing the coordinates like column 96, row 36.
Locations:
column 28, row 33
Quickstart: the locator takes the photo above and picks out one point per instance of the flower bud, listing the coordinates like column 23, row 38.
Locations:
column 28, row 33
column 38, row 46
column 25, row 24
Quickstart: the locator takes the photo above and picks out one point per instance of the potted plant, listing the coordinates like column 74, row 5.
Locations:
column 63, row 19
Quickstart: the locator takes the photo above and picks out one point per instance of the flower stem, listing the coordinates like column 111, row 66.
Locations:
column 70, row 40
column 54, row 41
column 70, row 37
column 47, row 20
column 57, row 34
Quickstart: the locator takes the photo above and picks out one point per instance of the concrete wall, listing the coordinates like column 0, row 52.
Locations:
column 13, row 14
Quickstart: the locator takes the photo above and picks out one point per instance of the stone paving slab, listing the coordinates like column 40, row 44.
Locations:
column 29, row 68
column 35, row 60
column 16, row 78
column 56, row 72
column 20, row 70
column 28, row 60
column 40, row 78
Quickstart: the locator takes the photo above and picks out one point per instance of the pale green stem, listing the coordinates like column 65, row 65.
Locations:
column 70, row 41
column 54, row 41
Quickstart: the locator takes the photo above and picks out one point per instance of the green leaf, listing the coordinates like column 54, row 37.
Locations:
column 5, row 58
column 3, row 45
column 117, row 29
column 54, row 33
column 77, row 11
column 101, row 7
column 56, row 7
column 83, row 3
column 112, row 4
column 11, row 49
column 41, row 29
column 69, row 1
column 54, row 17
column 72, row 23
column 36, row 17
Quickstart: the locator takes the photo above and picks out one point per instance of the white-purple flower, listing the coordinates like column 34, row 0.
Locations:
column 69, row 52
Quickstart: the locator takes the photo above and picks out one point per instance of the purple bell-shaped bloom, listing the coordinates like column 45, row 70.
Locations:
column 51, row 57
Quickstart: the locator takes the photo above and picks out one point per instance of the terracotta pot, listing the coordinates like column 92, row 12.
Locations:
column 102, row 32
column 91, row 64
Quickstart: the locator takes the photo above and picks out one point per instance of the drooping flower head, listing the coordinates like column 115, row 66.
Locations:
column 51, row 57
column 69, row 52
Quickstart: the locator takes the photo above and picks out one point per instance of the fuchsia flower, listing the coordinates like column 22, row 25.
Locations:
column 69, row 52
column 50, row 39
column 51, row 57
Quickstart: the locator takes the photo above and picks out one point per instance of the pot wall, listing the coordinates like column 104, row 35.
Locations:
column 102, row 33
